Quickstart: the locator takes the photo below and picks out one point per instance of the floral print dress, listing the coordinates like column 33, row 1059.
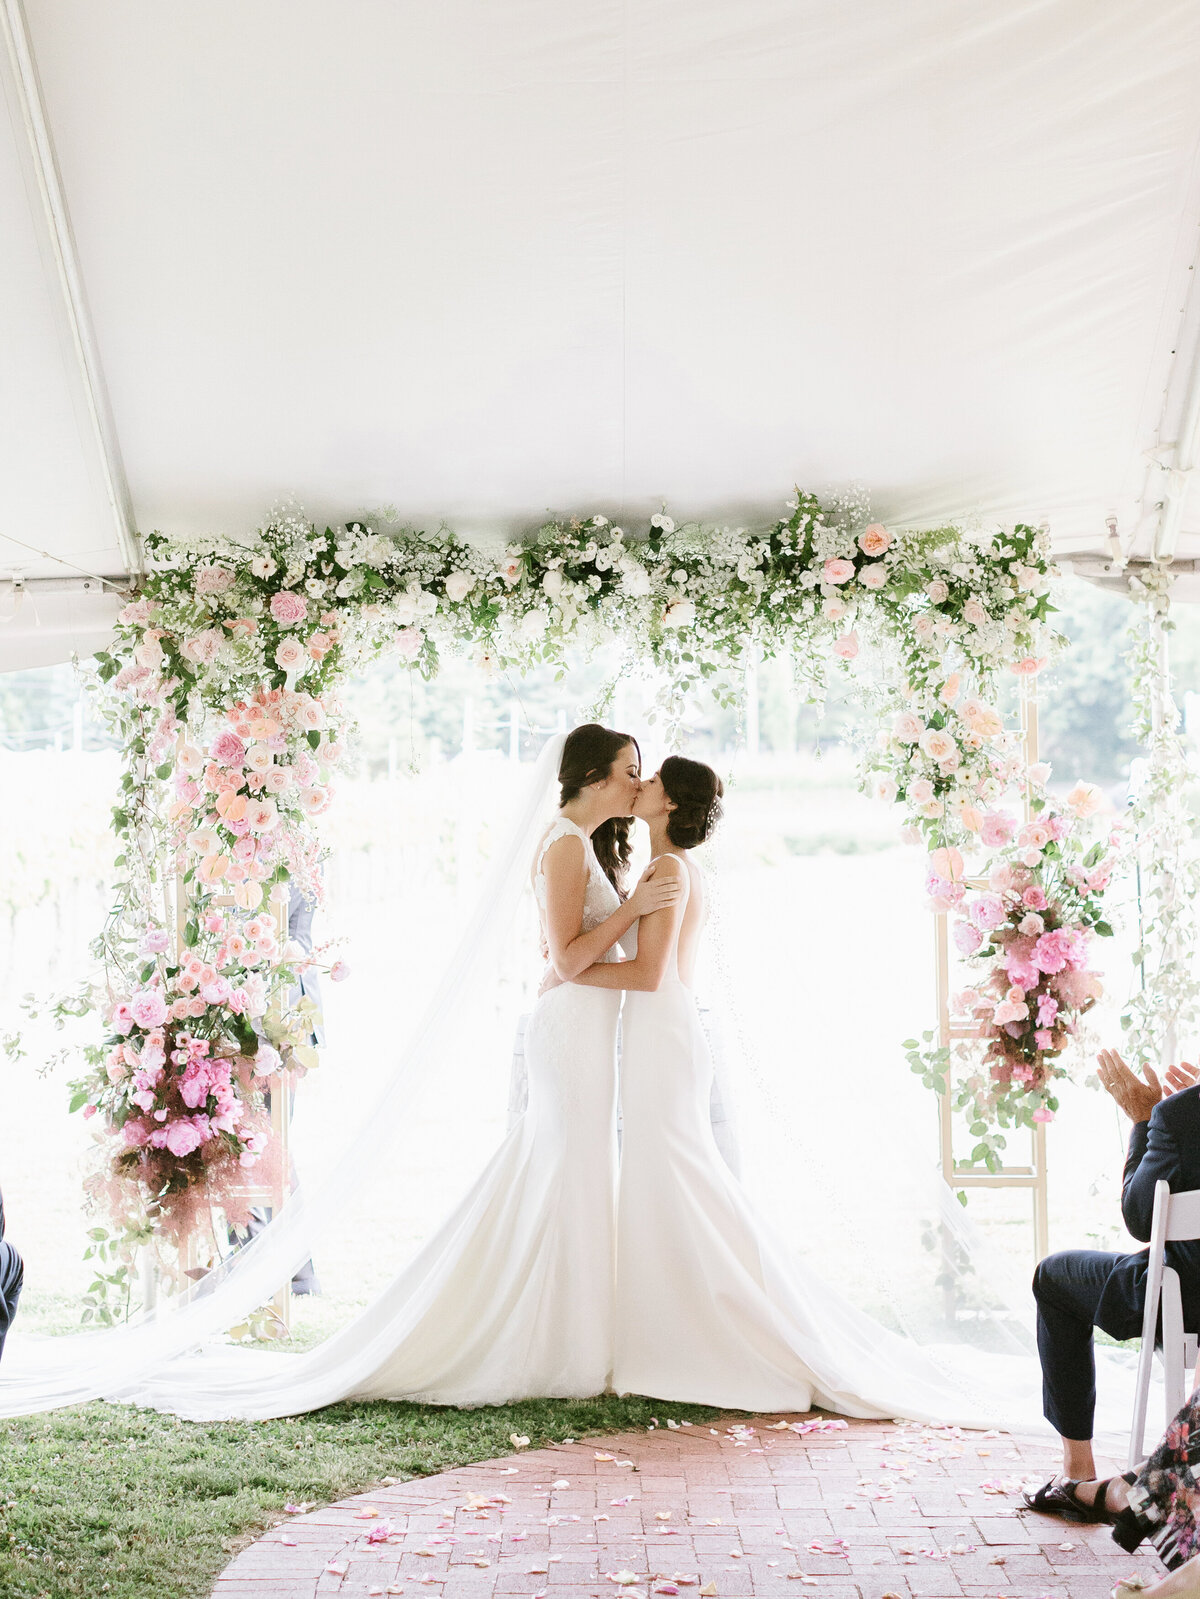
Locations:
column 1166, row 1496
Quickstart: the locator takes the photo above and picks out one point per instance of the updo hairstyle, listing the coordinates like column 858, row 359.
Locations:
column 695, row 791
column 587, row 757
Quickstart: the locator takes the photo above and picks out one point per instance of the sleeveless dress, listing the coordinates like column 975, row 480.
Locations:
column 512, row 1298
column 711, row 1309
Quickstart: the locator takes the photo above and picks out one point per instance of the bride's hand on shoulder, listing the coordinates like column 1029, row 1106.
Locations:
column 655, row 892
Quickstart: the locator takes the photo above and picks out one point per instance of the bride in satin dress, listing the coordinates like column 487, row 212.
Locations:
column 711, row 1307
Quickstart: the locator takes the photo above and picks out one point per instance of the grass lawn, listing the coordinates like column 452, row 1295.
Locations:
column 105, row 1499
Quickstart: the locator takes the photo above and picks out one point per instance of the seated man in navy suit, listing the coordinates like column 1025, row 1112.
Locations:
column 12, row 1273
column 1079, row 1289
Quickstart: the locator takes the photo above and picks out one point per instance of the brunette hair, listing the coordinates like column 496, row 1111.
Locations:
column 695, row 791
column 587, row 757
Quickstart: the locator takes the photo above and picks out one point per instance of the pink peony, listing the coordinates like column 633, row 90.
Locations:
column 136, row 1134
column 967, row 939
column 837, row 570
column 408, row 643
column 182, row 1138
column 148, row 1008
column 997, row 829
column 988, row 912
column 1056, row 950
column 288, row 608
column 213, row 579
column 874, row 540
column 228, row 749
column 203, row 647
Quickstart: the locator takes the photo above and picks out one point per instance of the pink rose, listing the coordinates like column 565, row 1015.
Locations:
column 937, row 590
column 1034, row 899
column 408, row 643
column 339, row 971
column 136, row 1134
column 288, row 608
column 873, row 577
column 1041, row 1114
column 846, row 647
column 1030, row 667
column 967, row 939
column 837, row 570
column 148, row 1008
column 907, row 727
column 874, row 540
column 1084, row 800
column 974, row 614
column 1008, row 1011
column 1033, row 836
column 289, row 654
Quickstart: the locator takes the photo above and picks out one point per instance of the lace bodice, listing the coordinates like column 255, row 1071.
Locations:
column 600, row 898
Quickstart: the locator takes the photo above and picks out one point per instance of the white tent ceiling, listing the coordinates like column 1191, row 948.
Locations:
column 483, row 258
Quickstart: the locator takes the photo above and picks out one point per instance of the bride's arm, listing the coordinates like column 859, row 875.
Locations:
column 656, row 939
column 572, row 951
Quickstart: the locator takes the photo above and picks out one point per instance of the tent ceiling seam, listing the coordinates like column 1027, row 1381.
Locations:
column 55, row 220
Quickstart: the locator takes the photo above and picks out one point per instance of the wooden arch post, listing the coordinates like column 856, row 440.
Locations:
column 1031, row 1176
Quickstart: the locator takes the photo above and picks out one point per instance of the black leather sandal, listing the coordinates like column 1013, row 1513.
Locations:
column 1058, row 1497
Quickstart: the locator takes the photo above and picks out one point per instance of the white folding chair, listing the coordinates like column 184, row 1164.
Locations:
column 1176, row 1220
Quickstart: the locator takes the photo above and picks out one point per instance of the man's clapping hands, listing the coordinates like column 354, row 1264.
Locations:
column 1135, row 1097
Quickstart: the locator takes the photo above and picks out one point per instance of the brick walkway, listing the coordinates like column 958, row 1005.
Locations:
column 864, row 1510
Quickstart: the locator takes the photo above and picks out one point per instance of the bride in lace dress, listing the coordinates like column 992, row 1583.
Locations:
column 512, row 1298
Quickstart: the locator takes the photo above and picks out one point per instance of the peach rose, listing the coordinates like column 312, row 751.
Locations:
column 874, row 540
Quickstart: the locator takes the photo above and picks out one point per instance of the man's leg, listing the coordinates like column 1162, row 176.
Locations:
column 1068, row 1288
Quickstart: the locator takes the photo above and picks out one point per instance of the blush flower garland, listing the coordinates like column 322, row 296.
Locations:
column 1027, row 931
column 222, row 686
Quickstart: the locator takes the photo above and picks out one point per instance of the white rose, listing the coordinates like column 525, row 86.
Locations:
column 937, row 744
column 316, row 587
column 459, row 585
column 599, row 521
column 552, row 582
column 259, row 758
column 405, row 610
column 533, row 625
column 885, row 789
column 873, row 577
column 680, row 613
column 664, row 523
column 149, row 653
column 634, row 576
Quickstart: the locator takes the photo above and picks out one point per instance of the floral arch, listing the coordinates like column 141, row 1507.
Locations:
column 223, row 687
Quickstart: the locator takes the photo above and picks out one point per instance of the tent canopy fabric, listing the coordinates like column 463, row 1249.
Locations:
column 480, row 261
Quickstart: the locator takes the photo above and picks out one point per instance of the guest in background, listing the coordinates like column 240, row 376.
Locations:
column 1080, row 1289
column 12, row 1275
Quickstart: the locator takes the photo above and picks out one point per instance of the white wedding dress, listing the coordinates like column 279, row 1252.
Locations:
column 711, row 1308
column 512, row 1298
